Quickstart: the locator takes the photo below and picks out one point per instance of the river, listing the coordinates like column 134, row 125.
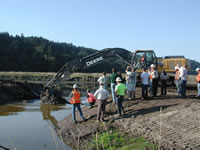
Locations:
column 30, row 126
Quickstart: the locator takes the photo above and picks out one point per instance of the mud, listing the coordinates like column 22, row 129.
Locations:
column 11, row 91
column 169, row 121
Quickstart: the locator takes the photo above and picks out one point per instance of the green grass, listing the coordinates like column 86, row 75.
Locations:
column 115, row 141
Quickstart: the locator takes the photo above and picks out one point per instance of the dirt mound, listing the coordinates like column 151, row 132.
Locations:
column 169, row 121
column 11, row 91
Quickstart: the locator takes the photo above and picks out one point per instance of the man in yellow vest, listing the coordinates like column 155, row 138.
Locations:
column 75, row 101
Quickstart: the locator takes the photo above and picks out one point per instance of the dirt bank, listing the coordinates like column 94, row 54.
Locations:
column 11, row 91
column 169, row 121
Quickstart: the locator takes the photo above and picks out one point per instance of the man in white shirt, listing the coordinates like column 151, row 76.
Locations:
column 103, row 79
column 183, row 80
column 154, row 79
column 145, row 83
column 131, row 82
column 101, row 95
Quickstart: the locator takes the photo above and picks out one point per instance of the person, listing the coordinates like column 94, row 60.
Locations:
column 119, row 74
column 130, row 82
column 75, row 101
column 183, row 80
column 113, row 77
column 141, row 62
column 145, row 83
column 120, row 92
column 150, row 81
column 164, row 77
column 90, row 98
column 101, row 95
column 177, row 79
column 103, row 79
column 198, row 82
column 154, row 79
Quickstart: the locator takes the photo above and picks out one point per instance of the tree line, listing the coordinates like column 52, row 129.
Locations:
column 37, row 54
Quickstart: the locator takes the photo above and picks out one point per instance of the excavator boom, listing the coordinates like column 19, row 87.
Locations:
column 85, row 62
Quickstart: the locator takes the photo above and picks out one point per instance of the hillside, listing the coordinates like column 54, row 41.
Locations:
column 37, row 54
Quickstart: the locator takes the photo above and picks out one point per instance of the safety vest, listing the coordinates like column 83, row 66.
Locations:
column 198, row 78
column 76, row 98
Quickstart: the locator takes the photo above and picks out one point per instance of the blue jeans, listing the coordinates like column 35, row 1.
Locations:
column 144, row 91
column 112, row 86
column 198, row 88
column 78, row 106
column 177, row 86
column 182, row 86
column 120, row 108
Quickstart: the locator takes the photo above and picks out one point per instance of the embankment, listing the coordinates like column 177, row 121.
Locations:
column 11, row 91
column 169, row 121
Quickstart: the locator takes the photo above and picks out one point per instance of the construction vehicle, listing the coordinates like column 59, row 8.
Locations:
column 139, row 59
column 166, row 63
column 50, row 95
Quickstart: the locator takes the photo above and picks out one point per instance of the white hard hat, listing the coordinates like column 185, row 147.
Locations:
column 119, row 79
column 152, row 66
column 75, row 86
column 198, row 69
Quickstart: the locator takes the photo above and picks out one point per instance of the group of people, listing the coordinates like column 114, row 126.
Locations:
column 99, row 97
column 181, row 78
column 119, row 86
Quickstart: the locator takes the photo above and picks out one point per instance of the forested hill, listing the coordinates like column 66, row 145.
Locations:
column 36, row 54
column 19, row 53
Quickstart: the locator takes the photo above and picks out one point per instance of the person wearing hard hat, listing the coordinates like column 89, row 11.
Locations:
column 183, row 80
column 101, row 96
column 177, row 79
column 120, row 92
column 154, row 79
column 198, row 82
column 75, row 101
column 150, row 81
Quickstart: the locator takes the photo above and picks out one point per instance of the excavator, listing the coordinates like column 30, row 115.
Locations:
column 138, row 59
column 50, row 95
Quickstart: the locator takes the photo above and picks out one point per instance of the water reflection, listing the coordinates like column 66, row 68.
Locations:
column 33, row 121
column 46, row 113
column 7, row 110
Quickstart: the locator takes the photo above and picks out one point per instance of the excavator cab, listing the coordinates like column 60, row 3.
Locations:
column 143, row 59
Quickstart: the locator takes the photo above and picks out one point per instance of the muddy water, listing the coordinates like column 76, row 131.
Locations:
column 30, row 126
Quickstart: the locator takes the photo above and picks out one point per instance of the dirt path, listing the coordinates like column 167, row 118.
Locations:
column 169, row 121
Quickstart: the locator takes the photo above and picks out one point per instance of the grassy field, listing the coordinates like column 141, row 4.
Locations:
column 44, row 77
column 113, row 140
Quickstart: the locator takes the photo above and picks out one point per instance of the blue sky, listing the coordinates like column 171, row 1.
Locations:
column 169, row 27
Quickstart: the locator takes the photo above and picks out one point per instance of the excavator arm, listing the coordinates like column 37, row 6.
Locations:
column 89, row 61
column 86, row 62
